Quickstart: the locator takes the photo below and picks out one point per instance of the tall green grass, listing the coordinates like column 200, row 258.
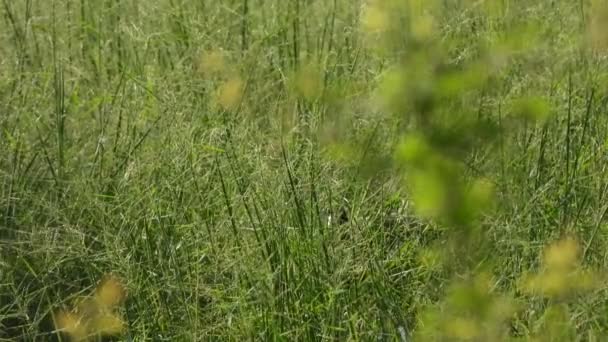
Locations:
column 247, row 169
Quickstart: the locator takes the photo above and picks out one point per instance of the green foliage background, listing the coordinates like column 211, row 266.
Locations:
column 307, row 170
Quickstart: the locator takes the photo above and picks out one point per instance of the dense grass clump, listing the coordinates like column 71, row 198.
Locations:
column 303, row 170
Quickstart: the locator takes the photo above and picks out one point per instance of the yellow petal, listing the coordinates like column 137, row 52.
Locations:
column 110, row 292
column 107, row 324
column 87, row 307
column 230, row 93
column 212, row 62
column 562, row 255
column 70, row 324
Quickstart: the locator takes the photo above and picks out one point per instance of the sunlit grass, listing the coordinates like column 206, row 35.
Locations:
column 303, row 170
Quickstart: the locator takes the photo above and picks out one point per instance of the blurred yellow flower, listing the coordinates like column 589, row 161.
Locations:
column 598, row 25
column 562, row 273
column 309, row 82
column 70, row 324
column 562, row 255
column 423, row 27
column 110, row 293
column 462, row 328
column 375, row 18
column 212, row 62
column 230, row 93
column 94, row 316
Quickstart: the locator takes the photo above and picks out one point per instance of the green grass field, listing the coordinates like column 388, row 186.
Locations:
column 304, row 170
